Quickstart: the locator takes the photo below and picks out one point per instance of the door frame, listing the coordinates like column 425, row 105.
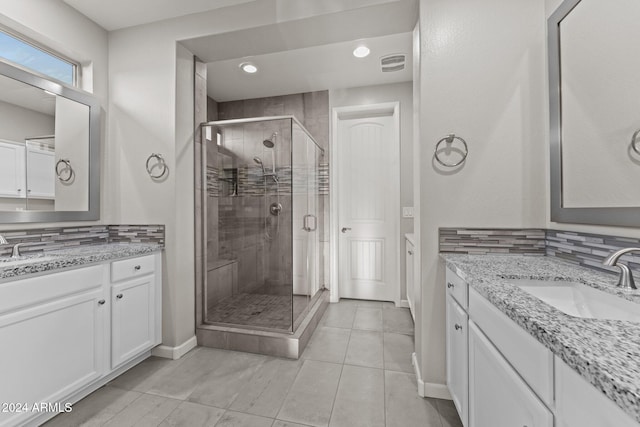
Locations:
column 351, row 112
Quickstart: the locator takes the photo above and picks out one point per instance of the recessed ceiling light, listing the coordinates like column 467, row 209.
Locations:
column 249, row 67
column 361, row 51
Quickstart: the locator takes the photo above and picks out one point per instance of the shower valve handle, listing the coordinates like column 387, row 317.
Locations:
column 345, row 229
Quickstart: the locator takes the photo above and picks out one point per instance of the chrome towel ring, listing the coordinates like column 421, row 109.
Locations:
column 449, row 140
column 65, row 170
column 160, row 164
column 634, row 141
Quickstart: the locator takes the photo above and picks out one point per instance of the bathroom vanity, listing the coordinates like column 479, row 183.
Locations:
column 515, row 360
column 71, row 320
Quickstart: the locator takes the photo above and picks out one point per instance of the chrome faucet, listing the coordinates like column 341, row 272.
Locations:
column 15, row 251
column 626, row 277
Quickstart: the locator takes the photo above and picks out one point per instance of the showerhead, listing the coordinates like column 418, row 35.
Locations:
column 271, row 142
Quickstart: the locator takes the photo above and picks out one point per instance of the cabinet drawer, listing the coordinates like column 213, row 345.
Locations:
column 532, row 360
column 21, row 293
column 457, row 288
column 134, row 267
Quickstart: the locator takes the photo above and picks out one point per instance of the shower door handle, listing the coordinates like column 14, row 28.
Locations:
column 305, row 223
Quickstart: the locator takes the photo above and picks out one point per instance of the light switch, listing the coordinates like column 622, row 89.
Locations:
column 407, row 212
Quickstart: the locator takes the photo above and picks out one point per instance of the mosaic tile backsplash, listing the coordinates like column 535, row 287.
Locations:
column 480, row 241
column 38, row 239
column 584, row 249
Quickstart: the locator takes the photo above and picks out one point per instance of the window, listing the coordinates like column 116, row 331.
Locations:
column 29, row 56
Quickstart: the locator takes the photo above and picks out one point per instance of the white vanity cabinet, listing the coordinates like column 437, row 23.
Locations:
column 135, row 323
column 410, row 286
column 41, row 178
column 12, row 170
column 54, row 333
column 457, row 343
column 66, row 333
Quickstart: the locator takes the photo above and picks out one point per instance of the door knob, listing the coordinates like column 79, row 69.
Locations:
column 345, row 229
column 119, row 296
column 101, row 302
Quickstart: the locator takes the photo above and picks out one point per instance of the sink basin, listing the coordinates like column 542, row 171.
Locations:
column 576, row 299
column 14, row 262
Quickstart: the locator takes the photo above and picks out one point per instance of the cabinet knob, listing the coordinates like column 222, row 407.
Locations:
column 137, row 267
column 101, row 302
column 28, row 191
column 19, row 190
column 410, row 252
column 119, row 296
column 458, row 327
column 450, row 285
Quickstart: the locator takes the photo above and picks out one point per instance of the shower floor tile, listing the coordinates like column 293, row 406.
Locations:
column 263, row 310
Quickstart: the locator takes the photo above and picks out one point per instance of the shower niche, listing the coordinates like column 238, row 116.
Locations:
column 260, row 207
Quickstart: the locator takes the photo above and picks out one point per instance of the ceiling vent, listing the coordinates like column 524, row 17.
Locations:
column 393, row 62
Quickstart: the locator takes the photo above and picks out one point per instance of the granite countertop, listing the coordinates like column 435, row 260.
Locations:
column 604, row 352
column 72, row 257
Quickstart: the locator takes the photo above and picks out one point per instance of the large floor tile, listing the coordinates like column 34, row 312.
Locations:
column 403, row 405
column 368, row 318
column 280, row 423
column 448, row 413
column 397, row 352
column 397, row 320
column 327, row 345
column 238, row 419
column 339, row 315
column 141, row 377
column 222, row 385
column 146, row 411
column 189, row 414
column 96, row 409
column 311, row 397
column 265, row 392
column 365, row 349
column 360, row 398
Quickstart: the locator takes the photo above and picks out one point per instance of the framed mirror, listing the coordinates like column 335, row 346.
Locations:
column 49, row 150
column 595, row 112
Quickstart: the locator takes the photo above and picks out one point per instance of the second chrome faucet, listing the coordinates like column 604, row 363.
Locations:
column 626, row 277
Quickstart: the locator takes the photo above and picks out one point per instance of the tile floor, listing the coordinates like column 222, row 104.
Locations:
column 355, row 372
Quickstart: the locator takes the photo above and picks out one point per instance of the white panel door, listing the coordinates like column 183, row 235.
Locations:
column 369, row 183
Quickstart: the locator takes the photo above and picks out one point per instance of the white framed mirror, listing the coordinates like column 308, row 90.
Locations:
column 49, row 150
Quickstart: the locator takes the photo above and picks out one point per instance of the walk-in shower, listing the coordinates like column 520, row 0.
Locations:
column 260, row 204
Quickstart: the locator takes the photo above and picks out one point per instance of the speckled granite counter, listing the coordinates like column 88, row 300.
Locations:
column 605, row 352
column 72, row 257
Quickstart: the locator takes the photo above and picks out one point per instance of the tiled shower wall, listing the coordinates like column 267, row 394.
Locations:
column 312, row 110
column 584, row 249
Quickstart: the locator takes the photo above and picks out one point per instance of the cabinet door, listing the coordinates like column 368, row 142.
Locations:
column 51, row 350
column 41, row 174
column 457, row 356
column 12, row 170
column 410, row 286
column 132, row 319
column 497, row 395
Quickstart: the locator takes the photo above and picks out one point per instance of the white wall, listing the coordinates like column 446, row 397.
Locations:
column 482, row 76
column 63, row 29
column 17, row 123
column 397, row 92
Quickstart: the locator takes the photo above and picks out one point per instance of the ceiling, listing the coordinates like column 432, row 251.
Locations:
column 331, row 66
column 116, row 14
column 26, row 96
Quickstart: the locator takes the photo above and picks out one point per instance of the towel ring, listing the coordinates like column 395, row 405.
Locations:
column 449, row 139
column 160, row 163
column 67, row 167
column 634, row 140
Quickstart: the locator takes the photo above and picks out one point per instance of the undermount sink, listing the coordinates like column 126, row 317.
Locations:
column 29, row 259
column 576, row 299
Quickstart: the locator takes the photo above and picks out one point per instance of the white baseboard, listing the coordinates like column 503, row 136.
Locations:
column 403, row 303
column 175, row 352
column 438, row 391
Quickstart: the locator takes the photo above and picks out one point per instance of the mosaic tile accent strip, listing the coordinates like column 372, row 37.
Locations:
column 590, row 250
column 481, row 241
column 137, row 234
column 213, row 183
column 323, row 179
column 54, row 238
